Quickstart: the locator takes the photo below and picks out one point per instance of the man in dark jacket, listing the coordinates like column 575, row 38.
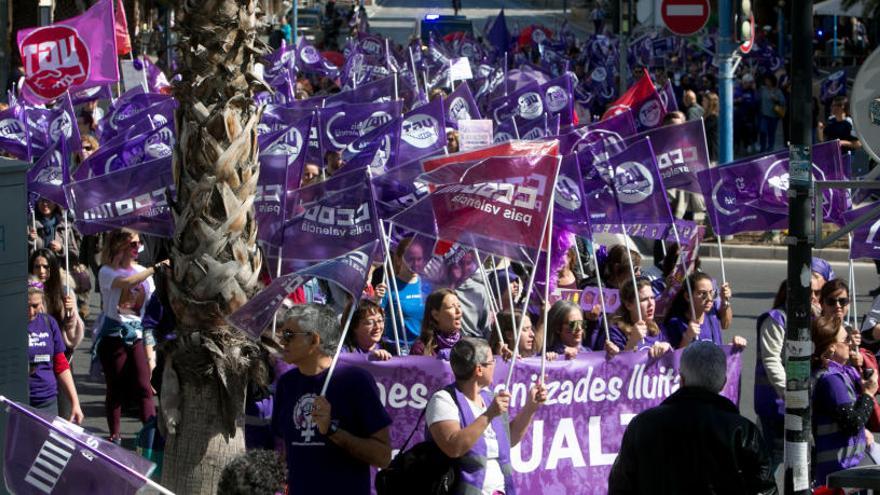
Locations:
column 695, row 441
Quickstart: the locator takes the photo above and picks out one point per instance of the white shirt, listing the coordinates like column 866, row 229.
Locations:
column 133, row 305
column 442, row 407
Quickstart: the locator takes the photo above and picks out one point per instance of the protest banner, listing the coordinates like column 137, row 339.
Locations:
column 474, row 134
column 575, row 435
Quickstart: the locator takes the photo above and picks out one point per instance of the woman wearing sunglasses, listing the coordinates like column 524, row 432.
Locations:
column 702, row 320
column 629, row 333
column 566, row 329
column 367, row 326
column 121, row 343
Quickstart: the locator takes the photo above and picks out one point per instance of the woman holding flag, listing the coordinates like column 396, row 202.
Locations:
column 626, row 332
column 441, row 326
column 701, row 319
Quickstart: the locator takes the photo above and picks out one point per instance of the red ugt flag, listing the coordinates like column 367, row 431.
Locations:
column 70, row 55
column 120, row 24
column 644, row 101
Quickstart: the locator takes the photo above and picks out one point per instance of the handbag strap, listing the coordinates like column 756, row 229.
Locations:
column 449, row 389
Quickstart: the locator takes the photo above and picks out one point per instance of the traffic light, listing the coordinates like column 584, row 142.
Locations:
column 744, row 25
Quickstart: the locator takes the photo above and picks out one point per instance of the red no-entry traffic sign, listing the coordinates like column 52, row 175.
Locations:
column 684, row 17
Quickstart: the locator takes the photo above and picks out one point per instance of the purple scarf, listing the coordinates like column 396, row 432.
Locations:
column 445, row 343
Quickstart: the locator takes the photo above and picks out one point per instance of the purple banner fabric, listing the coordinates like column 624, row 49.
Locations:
column 574, row 437
column 603, row 138
column 326, row 220
column 279, row 63
column 133, row 197
column 865, row 242
column 589, row 298
column 634, row 192
column 398, row 188
column 282, row 156
column 46, row 177
column 460, row 105
column 378, row 90
column 681, row 153
column 342, row 125
column 70, row 55
column 570, row 205
column 13, row 134
column 644, row 101
column 133, row 107
column 526, row 103
column 104, row 92
column 154, row 77
column 833, row 85
column 731, row 191
column 349, row 271
column 310, row 60
column 422, row 132
column 132, row 150
column 667, row 97
column 45, row 454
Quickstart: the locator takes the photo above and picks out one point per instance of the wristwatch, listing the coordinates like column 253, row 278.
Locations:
column 334, row 427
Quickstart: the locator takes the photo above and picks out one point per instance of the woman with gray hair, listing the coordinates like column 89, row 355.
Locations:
column 329, row 449
column 468, row 424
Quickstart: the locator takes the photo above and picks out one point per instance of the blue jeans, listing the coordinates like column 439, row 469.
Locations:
column 767, row 132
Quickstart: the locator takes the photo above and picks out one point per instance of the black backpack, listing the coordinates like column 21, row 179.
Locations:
column 423, row 469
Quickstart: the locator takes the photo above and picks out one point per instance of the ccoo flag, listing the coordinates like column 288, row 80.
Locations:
column 70, row 55
column 49, row 455
column 348, row 270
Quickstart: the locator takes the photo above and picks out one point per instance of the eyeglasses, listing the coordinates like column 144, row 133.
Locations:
column 705, row 294
column 487, row 364
column 288, row 335
column 576, row 325
column 840, row 301
column 374, row 323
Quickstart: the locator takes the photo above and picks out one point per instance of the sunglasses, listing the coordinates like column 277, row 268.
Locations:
column 135, row 244
column 840, row 301
column 288, row 335
column 576, row 325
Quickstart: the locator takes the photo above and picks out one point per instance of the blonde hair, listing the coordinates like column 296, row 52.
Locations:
column 114, row 242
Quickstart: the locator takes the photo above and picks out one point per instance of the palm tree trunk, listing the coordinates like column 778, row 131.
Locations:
column 214, row 255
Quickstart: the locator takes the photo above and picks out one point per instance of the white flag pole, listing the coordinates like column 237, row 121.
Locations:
column 338, row 349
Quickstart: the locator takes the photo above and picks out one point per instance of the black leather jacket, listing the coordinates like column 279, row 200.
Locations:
column 694, row 442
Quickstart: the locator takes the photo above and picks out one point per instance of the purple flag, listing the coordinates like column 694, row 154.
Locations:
column 135, row 106
column 376, row 150
column 731, row 192
column 342, row 125
column 827, row 165
column 154, row 77
column 13, row 134
column 279, row 62
column 70, row 55
column 63, row 124
column 47, row 176
column 498, row 35
column 121, row 153
column 681, row 153
column 574, row 437
column 45, row 454
column 570, row 205
column 398, row 188
column 526, row 103
column 282, row 156
column 460, row 105
column 310, row 60
column 833, row 85
column 667, row 97
column 348, row 270
column 132, row 197
column 627, row 188
column 103, row 92
column 602, row 139
column 558, row 98
column 327, row 219
column 865, row 242
column 422, row 132
column 378, row 90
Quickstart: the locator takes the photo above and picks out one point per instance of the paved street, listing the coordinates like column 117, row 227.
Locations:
column 396, row 18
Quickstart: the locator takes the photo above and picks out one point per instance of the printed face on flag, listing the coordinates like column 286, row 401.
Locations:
column 69, row 55
column 447, row 269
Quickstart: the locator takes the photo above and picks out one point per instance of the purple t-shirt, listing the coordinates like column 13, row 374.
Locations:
column 44, row 342
column 710, row 329
column 314, row 463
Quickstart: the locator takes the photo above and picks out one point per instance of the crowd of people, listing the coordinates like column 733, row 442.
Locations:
column 347, row 426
